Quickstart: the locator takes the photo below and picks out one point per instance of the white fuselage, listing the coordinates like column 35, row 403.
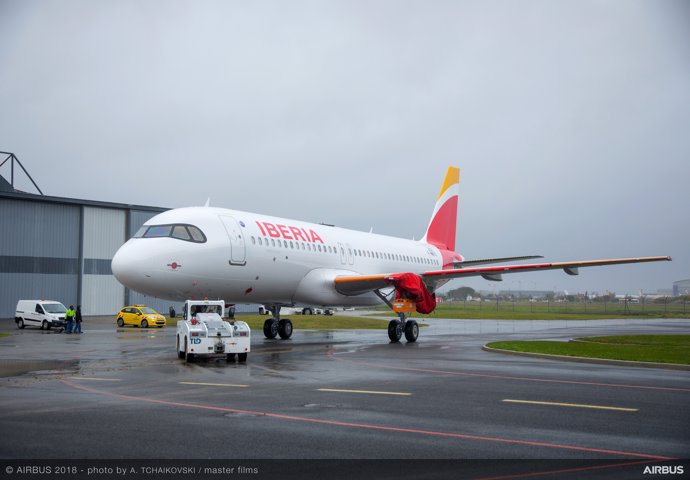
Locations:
column 251, row 258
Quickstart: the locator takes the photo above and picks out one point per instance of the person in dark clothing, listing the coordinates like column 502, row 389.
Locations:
column 77, row 320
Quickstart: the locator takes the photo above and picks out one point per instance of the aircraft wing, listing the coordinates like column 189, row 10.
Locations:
column 359, row 284
column 469, row 263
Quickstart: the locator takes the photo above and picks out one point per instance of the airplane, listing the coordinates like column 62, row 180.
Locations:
column 242, row 257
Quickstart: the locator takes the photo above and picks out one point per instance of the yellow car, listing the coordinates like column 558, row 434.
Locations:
column 140, row 316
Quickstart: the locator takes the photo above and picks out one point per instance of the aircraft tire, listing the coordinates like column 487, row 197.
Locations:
column 395, row 330
column 411, row 331
column 285, row 328
column 270, row 328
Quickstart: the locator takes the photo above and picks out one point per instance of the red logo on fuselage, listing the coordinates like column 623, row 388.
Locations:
column 288, row 232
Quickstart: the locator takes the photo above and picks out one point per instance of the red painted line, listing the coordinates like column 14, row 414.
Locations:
column 568, row 470
column 506, row 377
column 366, row 426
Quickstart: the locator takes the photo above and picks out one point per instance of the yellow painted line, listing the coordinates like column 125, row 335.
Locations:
column 98, row 379
column 599, row 407
column 362, row 391
column 214, row 384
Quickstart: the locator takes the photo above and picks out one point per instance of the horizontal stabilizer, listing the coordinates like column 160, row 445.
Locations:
column 469, row 263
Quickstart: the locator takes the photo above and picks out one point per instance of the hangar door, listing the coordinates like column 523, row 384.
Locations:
column 237, row 253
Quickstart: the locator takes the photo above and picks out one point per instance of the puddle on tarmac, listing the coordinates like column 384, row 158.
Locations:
column 13, row 367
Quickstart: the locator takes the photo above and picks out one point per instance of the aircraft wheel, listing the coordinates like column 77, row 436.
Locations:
column 411, row 331
column 242, row 357
column 285, row 328
column 395, row 330
column 270, row 328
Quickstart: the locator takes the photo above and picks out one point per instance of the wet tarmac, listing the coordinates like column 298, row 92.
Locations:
column 122, row 393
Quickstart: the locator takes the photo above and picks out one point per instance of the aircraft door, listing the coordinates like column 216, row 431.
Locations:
column 235, row 234
column 343, row 255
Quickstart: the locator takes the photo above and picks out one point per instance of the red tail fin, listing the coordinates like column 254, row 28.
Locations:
column 442, row 227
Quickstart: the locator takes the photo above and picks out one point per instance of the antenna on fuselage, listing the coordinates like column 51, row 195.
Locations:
column 208, row 202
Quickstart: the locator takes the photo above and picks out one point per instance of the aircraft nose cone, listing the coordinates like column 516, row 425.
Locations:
column 126, row 266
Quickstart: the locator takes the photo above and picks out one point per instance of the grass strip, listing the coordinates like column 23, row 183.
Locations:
column 638, row 348
column 312, row 322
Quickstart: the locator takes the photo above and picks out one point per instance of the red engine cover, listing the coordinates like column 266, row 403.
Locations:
column 410, row 285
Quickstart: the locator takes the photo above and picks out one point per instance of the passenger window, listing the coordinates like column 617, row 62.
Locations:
column 273, row 242
column 179, row 231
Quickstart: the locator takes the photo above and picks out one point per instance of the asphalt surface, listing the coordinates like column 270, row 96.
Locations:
column 122, row 394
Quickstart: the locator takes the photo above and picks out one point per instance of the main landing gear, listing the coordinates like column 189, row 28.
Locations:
column 401, row 325
column 277, row 326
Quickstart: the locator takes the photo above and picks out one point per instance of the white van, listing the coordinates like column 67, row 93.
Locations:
column 40, row 313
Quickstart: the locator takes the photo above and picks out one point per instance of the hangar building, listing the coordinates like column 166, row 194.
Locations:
column 681, row 287
column 60, row 249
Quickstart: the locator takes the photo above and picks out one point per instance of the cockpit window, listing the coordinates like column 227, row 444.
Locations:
column 180, row 231
column 158, row 231
column 197, row 235
column 189, row 233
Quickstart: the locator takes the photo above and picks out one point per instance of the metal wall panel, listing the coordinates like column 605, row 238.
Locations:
column 101, row 295
column 39, row 229
column 29, row 286
column 104, row 232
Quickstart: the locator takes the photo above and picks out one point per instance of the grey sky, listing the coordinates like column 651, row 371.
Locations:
column 569, row 119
